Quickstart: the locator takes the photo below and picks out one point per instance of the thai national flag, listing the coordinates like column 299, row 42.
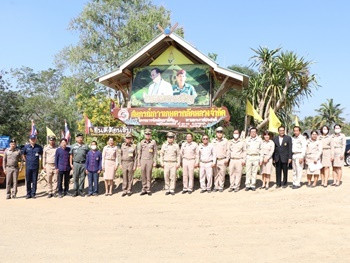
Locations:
column 88, row 124
column 66, row 132
column 112, row 105
column 33, row 131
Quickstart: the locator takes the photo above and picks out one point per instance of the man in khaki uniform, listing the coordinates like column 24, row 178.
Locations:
column 189, row 157
column 49, row 165
column 147, row 159
column 253, row 147
column 220, row 150
column 207, row 161
column 298, row 155
column 128, row 162
column 12, row 156
column 170, row 160
column 237, row 155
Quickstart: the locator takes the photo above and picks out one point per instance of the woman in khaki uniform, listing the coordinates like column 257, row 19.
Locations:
column 267, row 149
column 313, row 157
column 109, row 164
column 339, row 142
column 327, row 153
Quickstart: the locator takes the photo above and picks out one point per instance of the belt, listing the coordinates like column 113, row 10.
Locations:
column 170, row 161
column 221, row 158
column 338, row 147
column 127, row 160
column 11, row 166
column 236, row 158
column 206, row 161
column 253, row 154
column 110, row 159
column 189, row 158
column 79, row 162
column 296, row 152
column 326, row 148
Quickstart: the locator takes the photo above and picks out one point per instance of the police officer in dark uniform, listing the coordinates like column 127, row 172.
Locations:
column 78, row 153
column 31, row 155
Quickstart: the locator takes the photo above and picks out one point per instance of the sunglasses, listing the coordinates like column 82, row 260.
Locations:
column 205, row 139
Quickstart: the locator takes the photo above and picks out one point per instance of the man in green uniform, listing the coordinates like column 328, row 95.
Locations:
column 78, row 154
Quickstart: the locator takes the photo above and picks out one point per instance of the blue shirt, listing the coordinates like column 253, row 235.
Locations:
column 32, row 154
column 62, row 159
column 93, row 161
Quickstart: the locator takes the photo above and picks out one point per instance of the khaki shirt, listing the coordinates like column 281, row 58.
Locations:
column 12, row 158
column 313, row 150
column 109, row 153
column 49, row 154
column 267, row 149
column 206, row 153
column 147, row 150
column 170, row 153
column 236, row 149
column 299, row 145
column 128, row 152
column 339, row 142
column 79, row 152
column 220, row 148
column 189, row 151
column 253, row 146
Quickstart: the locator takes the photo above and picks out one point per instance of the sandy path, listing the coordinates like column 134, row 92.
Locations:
column 302, row 225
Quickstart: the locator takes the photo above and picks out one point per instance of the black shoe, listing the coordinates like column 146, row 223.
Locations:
column 129, row 194
column 236, row 190
column 60, row 196
column 221, row 190
column 67, row 193
column 50, row 196
column 13, row 197
column 149, row 193
column 143, row 193
column 33, row 197
column 266, row 188
column 208, row 191
column 278, row 186
column 28, row 197
column 184, row 191
column 95, row 194
column 167, row 193
column 189, row 192
column 284, row 186
column 295, row 187
column 75, row 194
column 8, row 197
column 215, row 190
column 88, row 195
column 82, row 194
column 172, row 193
column 124, row 194
column 202, row 191
column 252, row 188
column 230, row 190
column 246, row 189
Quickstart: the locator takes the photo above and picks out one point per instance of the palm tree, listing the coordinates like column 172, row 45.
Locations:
column 329, row 113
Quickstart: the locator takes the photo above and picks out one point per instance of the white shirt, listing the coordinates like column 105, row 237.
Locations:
column 161, row 88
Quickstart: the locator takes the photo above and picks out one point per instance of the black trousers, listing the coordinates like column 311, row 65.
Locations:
column 279, row 168
column 31, row 181
column 63, row 175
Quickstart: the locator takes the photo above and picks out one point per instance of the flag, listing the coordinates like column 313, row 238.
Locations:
column 296, row 122
column 62, row 134
column 49, row 132
column 88, row 124
column 66, row 132
column 112, row 105
column 33, row 131
column 252, row 112
column 274, row 122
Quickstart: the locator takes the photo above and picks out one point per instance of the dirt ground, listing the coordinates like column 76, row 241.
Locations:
column 277, row 225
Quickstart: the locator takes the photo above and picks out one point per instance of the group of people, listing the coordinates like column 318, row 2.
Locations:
column 317, row 154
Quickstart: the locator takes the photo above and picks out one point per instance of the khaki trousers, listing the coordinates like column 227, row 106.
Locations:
column 128, row 175
column 219, row 174
column 170, row 176
column 11, row 180
column 252, row 166
column 188, row 174
column 235, row 170
column 51, row 176
column 206, row 174
column 146, row 174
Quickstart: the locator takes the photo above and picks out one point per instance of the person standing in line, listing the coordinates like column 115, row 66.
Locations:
column 48, row 161
column 93, row 168
column 313, row 158
column 298, row 156
column 327, row 154
column 63, row 168
column 207, row 160
column 266, row 154
column 109, row 164
column 220, row 150
column 339, row 142
column 253, row 151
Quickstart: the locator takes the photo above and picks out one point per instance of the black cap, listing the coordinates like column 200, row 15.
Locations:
column 79, row 134
column 52, row 138
column 13, row 140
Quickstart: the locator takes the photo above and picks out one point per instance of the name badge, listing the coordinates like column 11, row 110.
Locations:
column 150, row 150
column 36, row 154
column 97, row 158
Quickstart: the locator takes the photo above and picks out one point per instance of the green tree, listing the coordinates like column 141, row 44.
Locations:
column 330, row 113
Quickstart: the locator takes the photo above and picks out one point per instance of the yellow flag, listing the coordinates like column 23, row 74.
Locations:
column 49, row 132
column 249, row 110
column 296, row 122
column 274, row 122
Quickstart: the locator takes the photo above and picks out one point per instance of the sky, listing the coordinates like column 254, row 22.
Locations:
column 33, row 32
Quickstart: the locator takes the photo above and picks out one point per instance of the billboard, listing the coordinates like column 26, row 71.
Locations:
column 171, row 86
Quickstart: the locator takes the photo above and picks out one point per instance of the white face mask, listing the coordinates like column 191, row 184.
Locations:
column 337, row 130
column 93, row 147
column 325, row 131
column 236, row 136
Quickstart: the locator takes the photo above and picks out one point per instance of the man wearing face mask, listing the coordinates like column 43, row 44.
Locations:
column 159, row 85
column 298, row 151
column 237, row 154
column 327, row 153
column 253, row 150
column 339, row 141
column 220, row 150
column 93, row 168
